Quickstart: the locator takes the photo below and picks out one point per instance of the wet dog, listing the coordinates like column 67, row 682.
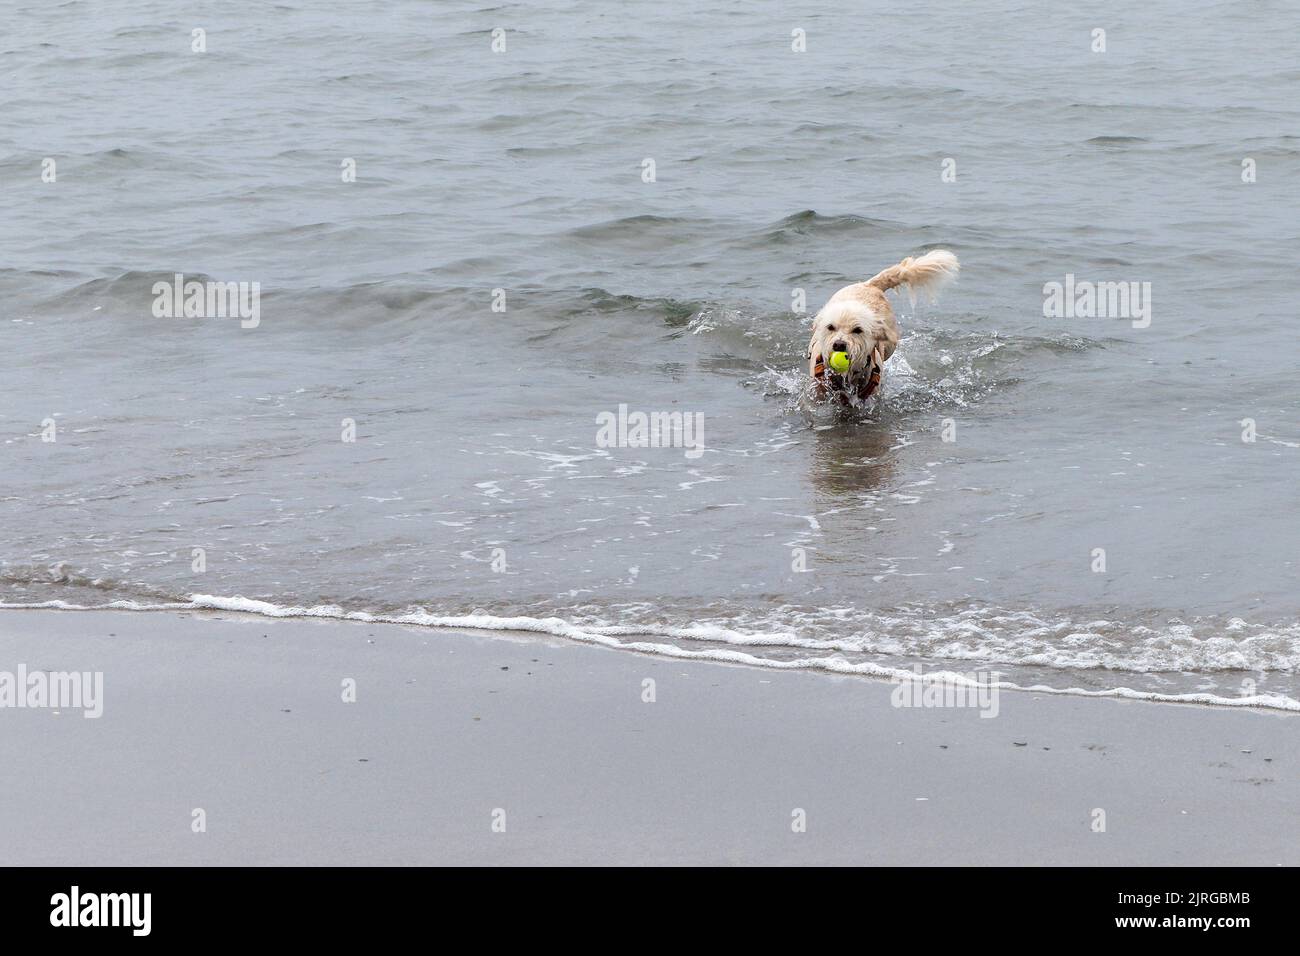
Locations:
column 859, row 322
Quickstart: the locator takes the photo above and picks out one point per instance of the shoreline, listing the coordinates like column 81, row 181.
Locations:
column 558, row 628
column 241, row 716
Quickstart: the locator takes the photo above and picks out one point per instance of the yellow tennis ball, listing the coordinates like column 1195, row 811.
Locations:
column 840, row 361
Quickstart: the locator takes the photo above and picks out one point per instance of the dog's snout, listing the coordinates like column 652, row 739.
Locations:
column 839, row 347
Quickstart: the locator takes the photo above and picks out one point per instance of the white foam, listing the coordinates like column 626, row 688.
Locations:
column 608, row 636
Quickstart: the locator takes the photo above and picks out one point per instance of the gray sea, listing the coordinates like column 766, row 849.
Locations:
column 477, row 231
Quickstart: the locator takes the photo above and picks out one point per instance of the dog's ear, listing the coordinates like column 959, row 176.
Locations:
column 877, row 359
column 811, row 341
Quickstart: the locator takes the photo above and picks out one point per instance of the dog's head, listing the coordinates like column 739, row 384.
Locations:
column 843, row 329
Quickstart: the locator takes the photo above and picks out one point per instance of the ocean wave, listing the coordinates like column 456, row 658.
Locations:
column 810, row 222
column 934, row 368
column 635, row 228
column 624, row 637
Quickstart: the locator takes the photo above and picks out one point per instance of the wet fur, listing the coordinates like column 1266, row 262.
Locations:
column 860, row 316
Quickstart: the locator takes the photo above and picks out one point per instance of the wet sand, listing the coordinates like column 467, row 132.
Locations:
column 243, row 718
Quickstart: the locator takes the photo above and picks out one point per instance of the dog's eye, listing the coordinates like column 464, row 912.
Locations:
column 857, row 331
column 830, row 328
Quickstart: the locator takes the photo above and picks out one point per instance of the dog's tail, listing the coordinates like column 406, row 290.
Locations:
column 928, row 274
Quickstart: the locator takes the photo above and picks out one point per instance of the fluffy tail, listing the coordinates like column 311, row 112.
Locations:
column 928, row 273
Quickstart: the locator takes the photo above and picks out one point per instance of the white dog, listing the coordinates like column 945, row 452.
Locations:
column 858, row 321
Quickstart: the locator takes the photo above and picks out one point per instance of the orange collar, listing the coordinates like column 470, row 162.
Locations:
column 834, row 381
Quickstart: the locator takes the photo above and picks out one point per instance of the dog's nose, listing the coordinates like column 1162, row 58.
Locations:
column 839, row 347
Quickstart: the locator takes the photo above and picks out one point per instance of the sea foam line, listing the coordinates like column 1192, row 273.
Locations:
column 557, row 627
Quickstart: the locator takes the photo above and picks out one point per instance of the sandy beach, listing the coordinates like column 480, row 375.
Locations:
column 468, row 748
